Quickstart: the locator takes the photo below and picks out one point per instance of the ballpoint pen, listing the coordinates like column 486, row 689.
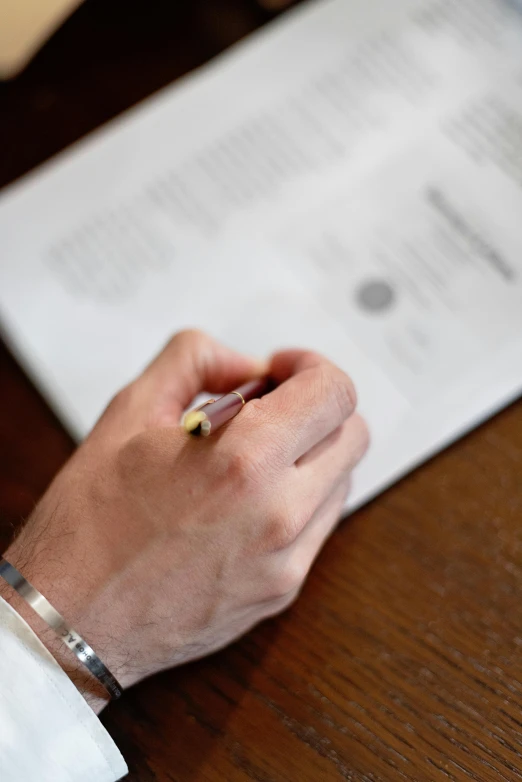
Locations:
column 212, row 415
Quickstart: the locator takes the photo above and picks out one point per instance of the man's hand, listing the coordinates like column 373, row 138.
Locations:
column 159, row 548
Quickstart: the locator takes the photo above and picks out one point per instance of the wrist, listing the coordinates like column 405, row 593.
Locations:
column 86, row 683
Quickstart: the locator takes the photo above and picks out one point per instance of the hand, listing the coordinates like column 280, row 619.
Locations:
column 159, row 548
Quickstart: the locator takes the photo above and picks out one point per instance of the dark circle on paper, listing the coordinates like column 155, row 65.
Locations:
column 376, row 296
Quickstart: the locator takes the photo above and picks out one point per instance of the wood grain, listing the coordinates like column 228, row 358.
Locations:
column 402, row 658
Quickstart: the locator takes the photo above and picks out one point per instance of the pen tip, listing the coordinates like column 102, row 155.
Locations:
column 193, row 420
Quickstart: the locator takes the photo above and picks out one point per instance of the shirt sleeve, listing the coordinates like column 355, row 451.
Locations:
column 48, row 733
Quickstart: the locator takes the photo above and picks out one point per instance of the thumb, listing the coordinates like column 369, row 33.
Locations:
column 193, row 362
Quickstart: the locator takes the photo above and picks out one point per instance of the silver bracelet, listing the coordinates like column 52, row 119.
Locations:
column 69, row 637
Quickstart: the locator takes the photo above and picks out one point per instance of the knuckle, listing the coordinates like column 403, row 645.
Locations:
column 244, row 468
column 333, row 387
column 190, row 338
column 121, row 401
column 289, row 579
column 258, row 416
column 253, row 411
column 282, row 529
column 340, row 388
column 357, row 438
column 364, row 435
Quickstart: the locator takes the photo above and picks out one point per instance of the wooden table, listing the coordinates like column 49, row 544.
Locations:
column 402, row 658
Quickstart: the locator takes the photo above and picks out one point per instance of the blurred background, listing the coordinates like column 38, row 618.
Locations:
column 402, row 662
column 108, row 55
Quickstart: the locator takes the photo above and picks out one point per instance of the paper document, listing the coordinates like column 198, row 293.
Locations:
column 348, row 179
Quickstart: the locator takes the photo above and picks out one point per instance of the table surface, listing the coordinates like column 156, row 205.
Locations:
column 402, row 658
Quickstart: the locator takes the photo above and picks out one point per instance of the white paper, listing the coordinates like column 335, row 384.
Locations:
column 352, row 175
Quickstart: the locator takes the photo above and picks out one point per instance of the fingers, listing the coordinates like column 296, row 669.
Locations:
column 290, row 566
column 326, row 472
column 193, row 362
column 326, row 465
column 325, row 520
column 303, row 492
column 314, row 399
column 286, row 363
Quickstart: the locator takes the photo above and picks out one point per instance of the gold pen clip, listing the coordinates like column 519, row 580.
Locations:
column 208, row 402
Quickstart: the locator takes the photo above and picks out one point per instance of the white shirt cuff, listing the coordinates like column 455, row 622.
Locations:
column 48, row 733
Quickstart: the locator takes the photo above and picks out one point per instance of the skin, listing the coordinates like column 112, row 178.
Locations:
column 160, row 548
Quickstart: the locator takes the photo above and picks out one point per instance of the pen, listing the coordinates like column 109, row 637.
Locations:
column 212, row 415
